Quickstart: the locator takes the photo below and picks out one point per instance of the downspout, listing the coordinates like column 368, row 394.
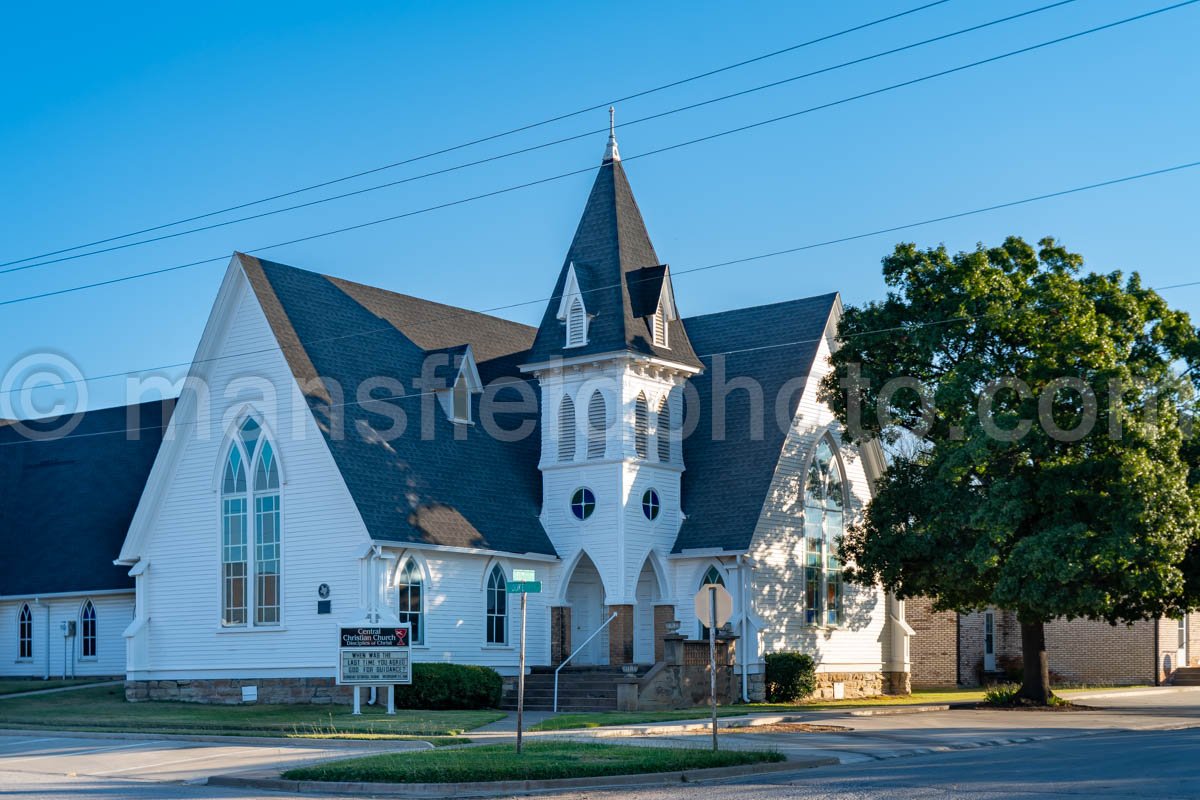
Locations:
column 742, row 600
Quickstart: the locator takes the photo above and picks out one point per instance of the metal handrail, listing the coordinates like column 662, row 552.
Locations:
column 575, row 652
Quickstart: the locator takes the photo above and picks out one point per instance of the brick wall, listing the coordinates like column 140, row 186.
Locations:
column 620, row 636
column 560, row 633
column 934, row 645
column 1089, row 651
column 662, row 615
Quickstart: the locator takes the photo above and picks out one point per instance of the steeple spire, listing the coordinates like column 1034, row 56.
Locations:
column 611, row 153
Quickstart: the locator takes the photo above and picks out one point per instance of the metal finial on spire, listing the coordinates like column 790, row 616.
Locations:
column 611, row 153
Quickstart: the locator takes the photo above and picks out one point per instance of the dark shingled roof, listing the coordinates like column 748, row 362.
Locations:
column 67, row 502
column 610, row 247
column 725, row 483
column 475, row 491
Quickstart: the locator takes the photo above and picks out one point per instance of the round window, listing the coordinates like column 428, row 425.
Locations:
column 650, row 504
column 583, row 503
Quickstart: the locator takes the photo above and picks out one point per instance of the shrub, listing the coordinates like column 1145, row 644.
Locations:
column 1002, row 694
column 790, row 677
column 451, row 686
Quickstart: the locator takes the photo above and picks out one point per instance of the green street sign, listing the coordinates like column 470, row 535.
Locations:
column 524, row 587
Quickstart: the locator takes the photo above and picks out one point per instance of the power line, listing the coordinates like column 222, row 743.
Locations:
column 494, row 136
column 560, row 176
column 691, row 270
column 540, row 146
column 510, row 381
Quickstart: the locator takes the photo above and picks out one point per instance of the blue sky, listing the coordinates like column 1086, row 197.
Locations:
column 117, row 120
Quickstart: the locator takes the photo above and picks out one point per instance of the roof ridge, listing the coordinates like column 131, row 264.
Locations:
column 776, row 304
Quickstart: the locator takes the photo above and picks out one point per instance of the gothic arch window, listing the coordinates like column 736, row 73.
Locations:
column 461, row 399
column 660, row 326
column 566, row 429
column 576, row 324
column 410, row 599
column 246, row 555
column 711, row 575
column 824, row 522
column 497, row 607
column 87, row 630
column 662, row 429
column 641, row 426
column 25, row 633
column 597, row 426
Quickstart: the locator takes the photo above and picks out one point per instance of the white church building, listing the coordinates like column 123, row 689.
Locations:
column 341, row 448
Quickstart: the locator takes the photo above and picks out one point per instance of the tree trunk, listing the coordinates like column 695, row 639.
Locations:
column 1035, row 688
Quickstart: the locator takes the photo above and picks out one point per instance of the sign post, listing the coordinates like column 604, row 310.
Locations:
column 374, row 655
column 523, row 583
column 714, row 607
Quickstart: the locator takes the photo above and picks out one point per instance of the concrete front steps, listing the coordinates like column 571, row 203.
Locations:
column 1186, row 676
column 579, row 689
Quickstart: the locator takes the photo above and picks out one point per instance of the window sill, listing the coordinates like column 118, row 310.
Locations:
column 88, row 659
column 497, row 647
column 251, row 629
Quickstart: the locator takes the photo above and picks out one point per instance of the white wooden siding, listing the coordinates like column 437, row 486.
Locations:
column 113, row 614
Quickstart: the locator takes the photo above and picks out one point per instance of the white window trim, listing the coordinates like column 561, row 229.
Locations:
column 250, row 495
column 423, row 574
column 820, row 623
column 492, row 565
column 96, row 619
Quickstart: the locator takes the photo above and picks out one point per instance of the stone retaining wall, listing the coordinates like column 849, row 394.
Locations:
column 856, row 684
column 228, row 691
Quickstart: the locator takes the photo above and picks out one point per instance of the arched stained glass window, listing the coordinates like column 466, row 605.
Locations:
column 410, row 600
column 243, row 601
column 566, row 429
column 87, row 630
column 25, row 633
column 824, row 521
column 711, row 575
column 497, row 607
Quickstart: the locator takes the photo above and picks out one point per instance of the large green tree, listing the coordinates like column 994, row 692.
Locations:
column 1036, row 417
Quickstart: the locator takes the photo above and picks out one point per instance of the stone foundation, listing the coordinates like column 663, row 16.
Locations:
column 855, row 684
column 228, row 691
column 756, row 687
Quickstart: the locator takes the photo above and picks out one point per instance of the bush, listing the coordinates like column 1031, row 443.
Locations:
column 790, row 677
column 1002, row 694
column 450, row 687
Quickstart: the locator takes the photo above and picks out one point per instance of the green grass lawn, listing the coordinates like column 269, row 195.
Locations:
column 18, row 685
column 602, row 719
column 541, row 760
column 104, row 709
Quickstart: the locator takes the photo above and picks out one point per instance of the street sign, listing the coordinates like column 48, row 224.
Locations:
column 374, row 656
column 704, row 603
column 524, row 575
column 524, row 587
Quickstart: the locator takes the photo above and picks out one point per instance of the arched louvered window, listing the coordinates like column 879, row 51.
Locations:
column 576, row 324
column 641, row 426
column 87, row 630
column 461, row 397
column 410, row 601
column 25, row 633
column 566, row 429
column 711, row 575
column 824, row 520
column 597, row 439
column 662, row 430
column 241, row 555
column 660, row 327
column 497, row 607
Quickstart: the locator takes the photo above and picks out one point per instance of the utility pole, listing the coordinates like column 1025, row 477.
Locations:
column 521, row 675
column 712, row 659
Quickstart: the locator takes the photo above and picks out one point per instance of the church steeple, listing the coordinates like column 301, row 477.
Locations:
column 613, row 271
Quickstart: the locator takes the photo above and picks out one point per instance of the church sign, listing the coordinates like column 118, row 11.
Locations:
column 374, row 656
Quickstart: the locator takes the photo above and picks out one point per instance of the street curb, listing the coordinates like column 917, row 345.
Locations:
column 278, row 741
column 898, row 710
column 495, row 788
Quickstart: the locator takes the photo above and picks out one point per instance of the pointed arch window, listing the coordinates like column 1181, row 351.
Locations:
column 410, row 599
column 660, row 326
column 711, row 575
column 462, row 399
column 497, row 607
column 662, row 430
column 824, row 523
column 597, row 426
column 641, row 426
column 576, row 324
column 25, row 633
column 244, row 601
column 87, row 630
column 566, row 429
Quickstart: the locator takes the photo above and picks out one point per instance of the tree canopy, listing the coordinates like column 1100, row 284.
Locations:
column 1048, row 467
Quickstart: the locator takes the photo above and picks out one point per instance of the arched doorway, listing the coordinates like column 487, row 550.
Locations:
column 585, row 596
column 648, row 596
